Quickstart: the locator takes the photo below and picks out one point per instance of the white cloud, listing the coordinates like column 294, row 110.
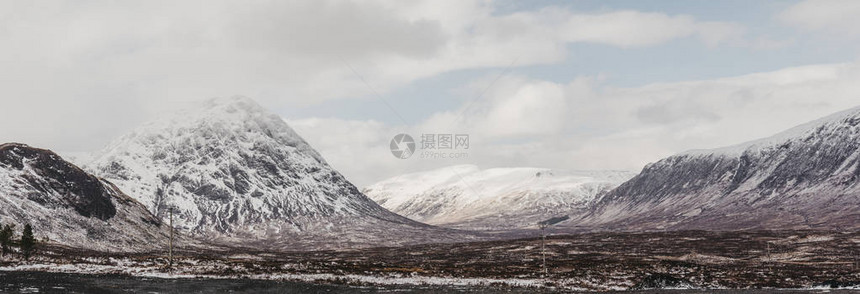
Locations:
column 359, row 149
column 532, row 109
column 595, row 126
column 513, row 107
column 832, row 16
column 91, row 70
column 632, row 28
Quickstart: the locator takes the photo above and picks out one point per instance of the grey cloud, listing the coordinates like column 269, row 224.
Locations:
column 675, row 111
column 334, row 29
column 838, row 17
column 634, row 126
column 90, row 70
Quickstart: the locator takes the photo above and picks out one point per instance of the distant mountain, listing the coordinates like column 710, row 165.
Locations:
column 465, row 196
column 70, row 206
column 806, row 177
column 233, row 172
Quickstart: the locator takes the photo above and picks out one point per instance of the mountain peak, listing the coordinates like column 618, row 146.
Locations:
column 232, row 104
column 224, row 112
column 228, row 122
column 229, row 168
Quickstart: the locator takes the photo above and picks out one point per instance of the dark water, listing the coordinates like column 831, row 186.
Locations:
column 40, row 282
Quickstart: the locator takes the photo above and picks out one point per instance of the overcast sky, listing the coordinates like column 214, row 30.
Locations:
column 567, row 85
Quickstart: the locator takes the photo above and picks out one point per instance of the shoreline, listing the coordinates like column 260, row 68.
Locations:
column 321, row 278
column 371, row 281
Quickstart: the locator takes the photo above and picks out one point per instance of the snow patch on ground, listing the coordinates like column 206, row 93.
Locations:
column 392, row 279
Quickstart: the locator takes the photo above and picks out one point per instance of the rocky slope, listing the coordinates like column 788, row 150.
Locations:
column 806, row 177
column 69, row 206
column 233, row 172
column 465, row 196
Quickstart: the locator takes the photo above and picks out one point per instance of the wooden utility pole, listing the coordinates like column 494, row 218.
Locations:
column 855, row 263
column 170, row 243
column 768, row 251
column 543, row 225
column 543, row 248
column 769, row 258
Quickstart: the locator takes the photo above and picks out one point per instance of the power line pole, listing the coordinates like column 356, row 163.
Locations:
column 170, row 243
column 855, row 263
column 769, row 258
column 543, row 225
column 543, row 248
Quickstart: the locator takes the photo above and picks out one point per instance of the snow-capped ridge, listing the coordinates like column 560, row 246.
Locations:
column 799, row 131
column 465, row 194
column 807, row 177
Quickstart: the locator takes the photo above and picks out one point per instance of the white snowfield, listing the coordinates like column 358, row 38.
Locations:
column 496, row 198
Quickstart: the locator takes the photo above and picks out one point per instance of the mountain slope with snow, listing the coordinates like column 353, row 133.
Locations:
column 465, row 196
column 233, row 172
column 69, row 206
column 806, row 177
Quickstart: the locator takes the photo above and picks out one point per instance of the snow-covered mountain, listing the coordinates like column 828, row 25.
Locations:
column 69, row 206
column 806, row 177
column 465, row 196
column 231, row 171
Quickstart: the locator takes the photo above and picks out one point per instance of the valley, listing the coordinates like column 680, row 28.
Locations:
column 243, row 197
column 578, row 262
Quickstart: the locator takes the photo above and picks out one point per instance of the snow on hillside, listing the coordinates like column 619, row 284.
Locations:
column 806, row 177
column 68, row 206
column 800, row 131
column 230, row 169
column 468, row 197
